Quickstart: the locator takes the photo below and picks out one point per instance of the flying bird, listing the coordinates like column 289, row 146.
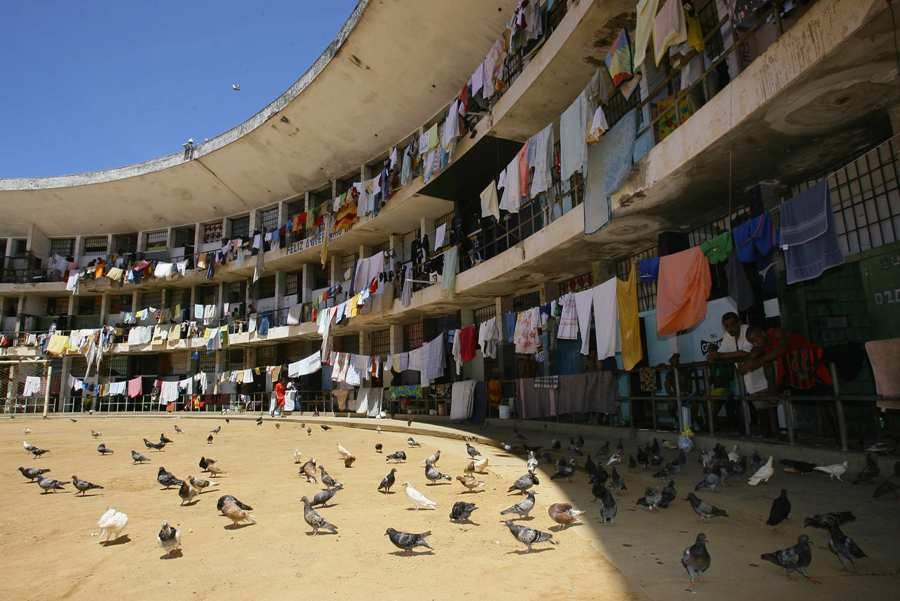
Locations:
column 793, row 559
column 781, row 509
column 83, row 485
column 563, row 514
column 529, row 536
column 259, row 420
column 418, row 499
column 407, row 541
column 111, row 524
column 316, row 521
column 696, row 559
column 236, row 87
column 388, row 481
column 205, row 462
column 169, row 538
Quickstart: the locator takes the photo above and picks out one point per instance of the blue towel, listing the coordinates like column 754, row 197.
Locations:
column 648, row 269
column 609, row 163
column 754, row 239
column 509, row 325
column 808, row 235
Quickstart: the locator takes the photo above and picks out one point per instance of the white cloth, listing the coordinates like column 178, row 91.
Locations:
column 488, row 337
column 186, row 385
column 450, row 128
column 116, row 388
column 646, row 15
column 754, row 381
column 476, row 82
column 168, row 392
column 606, row 318
column 456, row 353
column 489, row 202
column 248, row 376
column 433, row 367
column 583, row 302
column 440, row 234
column 512, row 195
column 669, row 28
column 198, row 311
column 366, row 269
column 72, row 283
column 202, row 382
column 369, row 401
column 306, row 366
column 163, row 270
column 540, row 157
column 294, row 315
column 32, row 385
column 140, row 334
column 568, row 319
column 462, row 396
column 599, row 125
column 572, row 140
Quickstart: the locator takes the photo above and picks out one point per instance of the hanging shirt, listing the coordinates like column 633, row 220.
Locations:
column 669, row 29
column 540, row 157
column 489, row 203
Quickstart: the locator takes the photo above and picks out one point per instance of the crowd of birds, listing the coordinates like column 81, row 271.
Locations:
column 720, row 468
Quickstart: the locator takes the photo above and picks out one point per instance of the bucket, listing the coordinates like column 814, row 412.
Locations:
column 504, row 411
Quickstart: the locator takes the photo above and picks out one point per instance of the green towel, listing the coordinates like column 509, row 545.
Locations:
column 718, row 249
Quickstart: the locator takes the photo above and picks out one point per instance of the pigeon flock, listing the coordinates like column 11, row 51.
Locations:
column 603, row 468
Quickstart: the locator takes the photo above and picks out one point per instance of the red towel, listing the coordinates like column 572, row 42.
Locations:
column 467, row 337
column 682, row 291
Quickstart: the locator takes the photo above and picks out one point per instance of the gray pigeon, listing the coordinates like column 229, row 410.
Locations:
column 228, row 498
column 49, row 485
column 103, row 449
column 83, row 485
column 388, row 481
column 651, row 499
column 704, row 509
column 608, row 506
column 524, row 483
column 793, row 559
column 137, row 457
column 408, row 540
column 844, row 547
column 397, row 457
column 529, row 536
column 200, row 484
column 616, row 482
column 169, row 538
column 321, row 498
column 167, row 479
column 472, row 451
column 327, row 480
column 33, row 473
column 564, row 469
column 696, row 559
column 523, row 507
column 461, row 511
column 711, row 481
column 315, row 521
column 433, row 475
column 667, row 495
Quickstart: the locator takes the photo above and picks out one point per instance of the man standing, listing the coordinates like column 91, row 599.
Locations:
column 277, row 405
column 736, row 347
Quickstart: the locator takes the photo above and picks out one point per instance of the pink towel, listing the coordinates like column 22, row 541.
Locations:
column 135, row 387
column 884, row 355
column 682, row 291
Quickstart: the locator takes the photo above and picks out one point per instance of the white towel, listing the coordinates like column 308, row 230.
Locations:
column 32, row 385
column 583, row 302
column 540, row 157
column 511, row 197
column 606, row 318
column 306, row 366
column 461, row 399
column 573, row 144
column 489, row 203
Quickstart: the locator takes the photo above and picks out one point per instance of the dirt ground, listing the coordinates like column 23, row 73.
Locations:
column 50, row 549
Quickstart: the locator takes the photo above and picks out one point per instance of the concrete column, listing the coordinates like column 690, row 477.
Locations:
column 220, row 299
column 220, row 366
column 104, row 308
column 20, row 310
column 333, row 271
column 396, row 331
column 79, row 248
column 279, row 289
column 365, row 343
column 134, row 301
column 141, row 242
column 169, row 238
column 503, row 304
column 282, row 215
column 249, row 358
column 198, row 238
column 65, row 391
column 193, row 302
column 307, row 202
column 306, row 282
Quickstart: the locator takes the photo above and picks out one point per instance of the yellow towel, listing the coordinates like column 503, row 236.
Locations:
column 629, row 321
column 57, row 345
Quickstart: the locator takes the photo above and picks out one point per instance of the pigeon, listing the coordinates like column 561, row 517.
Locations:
column 159, row 446
column 433, row 475
column 322, row 497
column 524, row 483
column 733, row 455
column 308, row 470
column 308, row 431
column 616, row 482
column 187, row 492
column 344, row 453
column 214, row 470
column 478, row 466
column 348, row 461
column 73, row 420
column 412, row 442
column 793, row 559
column 205, row 462
column 49, row 485
column 326, row 428
column 763, row 474
column 868, row 473
column 95, row 434
column 216, row 430
column 200, row 484
column 178, row 430
column 111, row 524
column 781, row 509
column 378, row 447
column 33, row 473
column 417, row 498
column 103, row 449
column 834, row 471
column 523, row 507
column 667, row 495
column 711, row 481
column 844, row 547
column 209, row 439
column 825, row 520
column 235, row 87
column 164, row 438
column 433, row 458
column 470, row 482
column 564, row 469
column 396, row 456
column 297, row 456
column 236, row 513
column 408, row 540
column 529, row 536
column 327, row 480
column 169, row 538
column 608, row 506
column 166, row 478
column 472, row 451
column 704, row 509
column 532, row 463
column 259, row 420
column 563, row 514
column 36, row 452
column 83, row 485
column 461, row 511
column 615, row 458
column 315, row 521
column 137, row 457
column 220, row 504
column 506, row 447
column 28, row 446
column 885, row 488
column 388, row 481
column 651, row 499
column 696, row 559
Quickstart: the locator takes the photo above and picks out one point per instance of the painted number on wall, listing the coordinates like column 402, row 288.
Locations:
column 887, row 297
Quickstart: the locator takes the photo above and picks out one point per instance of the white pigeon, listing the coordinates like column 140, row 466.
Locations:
column 615, row 458
column 27, row 446
column 433, row 458
column 481, row 465
column 417, row 498
column 762, row 474
column 27, row 430
column 111, row 524
column 532, row 462
column 733, row 456
column 297, row 455
column 344, row 453
column 834, row 471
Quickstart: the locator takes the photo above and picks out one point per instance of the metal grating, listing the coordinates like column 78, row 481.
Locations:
column 381, row 342
column 483, row 314
column 413, row 336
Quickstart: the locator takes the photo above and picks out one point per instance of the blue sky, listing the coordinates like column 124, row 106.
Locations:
column 93, row 84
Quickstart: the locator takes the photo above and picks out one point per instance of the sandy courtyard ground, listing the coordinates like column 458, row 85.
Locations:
column 50, row 550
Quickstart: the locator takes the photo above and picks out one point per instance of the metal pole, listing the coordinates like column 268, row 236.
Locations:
column 709, row 412
column 839, row 407
column 678, row 398
column 47, row 389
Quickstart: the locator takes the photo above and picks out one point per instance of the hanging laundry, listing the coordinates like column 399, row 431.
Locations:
column 619, row 59
column 568, row 319
column 116, row 388
column 168, row 392
column 525, row 336
column 605, row 317
column 609, row 163
column 476, row 81
column 718, row 249
column 540, row 158
column 646, row 17
column 808, row 234
column 754, row 239
column 32, row 385
column 572, row 140
column 648, row 269
column 451, row 268
column 135, row 387
column 57, row 345
column 669, row 28
column 597, row 128
column 739, row 287
column 163, row 270
column 512, row 191
column 462, row 395
column 584, row 300
column 489, row 202
column 629, row 319
column 488, row 337
column 682, row 291
column 433, row 366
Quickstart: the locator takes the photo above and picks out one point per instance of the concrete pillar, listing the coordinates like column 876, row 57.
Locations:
column 79, row 248
column 333, row 270
column 141, row 242
column 104, row 308
column 220, row 299
column 365, row 343
column 134, row 301
column 502, row 304
column 193, row 302
column 396, row 333
column 20, row 311
column 306, row 282
column 65, row 391
column 279, row 289
column 282, row 215
column 198, row 238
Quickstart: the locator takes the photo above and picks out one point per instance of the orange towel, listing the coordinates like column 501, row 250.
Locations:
column 682, row 291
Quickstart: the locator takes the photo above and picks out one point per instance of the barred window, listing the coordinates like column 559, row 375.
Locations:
column 646, row 291
column 212, row 232
column 268, row 218
column 125, row 243
column 265, row 287
column 119, row 303
column 291, row 283
column 413, row 336
column 156, row 241
column 526, row 301
column 381, row 342
column 208, row 365
column 62, row 246
column 58, row 305
column 95, row 245
column 151, row 299
column 240, row 227
column 482, row 314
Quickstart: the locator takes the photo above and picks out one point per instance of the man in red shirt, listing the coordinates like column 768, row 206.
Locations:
column 279, row 398
column 799, row 363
